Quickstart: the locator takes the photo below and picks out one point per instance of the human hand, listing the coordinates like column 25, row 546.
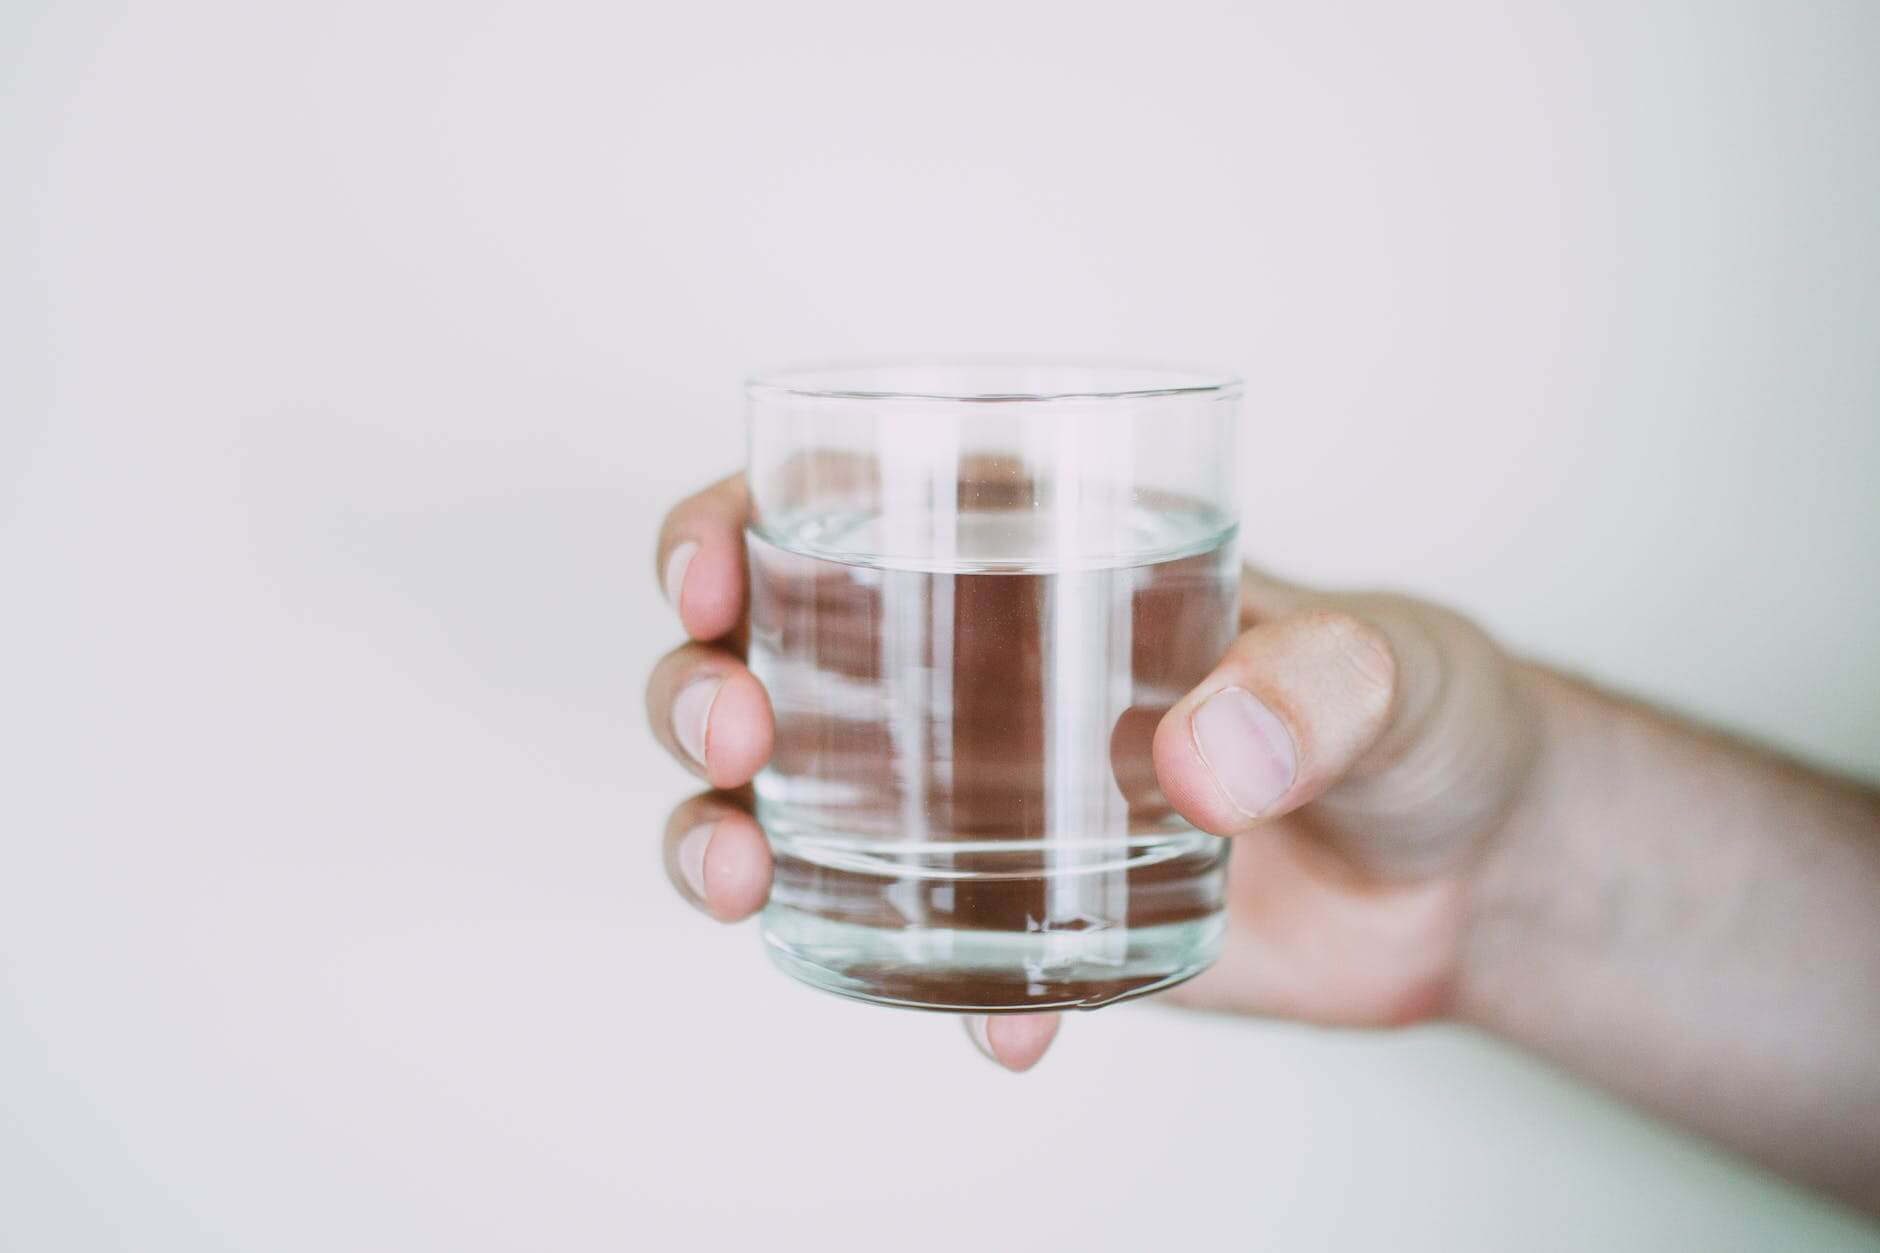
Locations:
column 1364, row 749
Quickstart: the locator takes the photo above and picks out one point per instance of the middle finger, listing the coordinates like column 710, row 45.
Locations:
column 711, row 713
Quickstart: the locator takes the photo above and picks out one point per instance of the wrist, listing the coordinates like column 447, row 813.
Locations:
column 1524, row 878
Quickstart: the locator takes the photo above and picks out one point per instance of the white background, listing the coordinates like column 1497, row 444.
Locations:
column 350, row 352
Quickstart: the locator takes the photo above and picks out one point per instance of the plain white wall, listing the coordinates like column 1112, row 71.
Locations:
column 350, row 352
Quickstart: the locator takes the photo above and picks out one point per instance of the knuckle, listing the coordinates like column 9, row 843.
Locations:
column 1360, row 647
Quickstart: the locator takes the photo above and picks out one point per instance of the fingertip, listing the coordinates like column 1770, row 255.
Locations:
column 1014, row 1041
column 736, row 870
column 717, row 857
column 701, row 558
column 1184, row 776
column 1019, row 1041
column 708, row 594
column 739, row 737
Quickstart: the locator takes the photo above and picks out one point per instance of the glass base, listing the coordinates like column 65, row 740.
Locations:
column 988, row 972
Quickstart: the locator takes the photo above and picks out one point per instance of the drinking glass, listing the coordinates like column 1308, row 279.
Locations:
column 976, row 587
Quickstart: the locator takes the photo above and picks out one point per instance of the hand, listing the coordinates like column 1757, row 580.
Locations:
column 1365, row 750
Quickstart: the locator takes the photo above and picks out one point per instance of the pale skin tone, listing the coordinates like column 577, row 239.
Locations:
column 1427, row 827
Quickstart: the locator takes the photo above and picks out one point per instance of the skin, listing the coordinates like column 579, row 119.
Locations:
column 1686, row 920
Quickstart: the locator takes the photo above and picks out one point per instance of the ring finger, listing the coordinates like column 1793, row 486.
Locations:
column 711, row 713
column 717, row 857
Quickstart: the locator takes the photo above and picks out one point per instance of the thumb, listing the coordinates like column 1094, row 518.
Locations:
column 1291, row 707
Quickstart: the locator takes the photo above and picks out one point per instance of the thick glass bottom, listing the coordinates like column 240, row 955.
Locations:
column 988, row 972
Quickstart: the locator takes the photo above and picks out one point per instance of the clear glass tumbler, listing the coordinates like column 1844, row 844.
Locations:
column 975, row 590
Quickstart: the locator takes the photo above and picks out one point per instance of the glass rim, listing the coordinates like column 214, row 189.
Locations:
column 840, row 380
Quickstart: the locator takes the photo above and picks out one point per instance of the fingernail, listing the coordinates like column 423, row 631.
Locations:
column 976, row 1030
column 692, row 846
column 691, row 714
column 676, row 562
column 1247, row 749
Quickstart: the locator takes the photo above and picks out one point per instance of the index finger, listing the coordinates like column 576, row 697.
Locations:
column 700, row 558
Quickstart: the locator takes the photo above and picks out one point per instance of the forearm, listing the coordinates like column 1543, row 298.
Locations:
column 1695, row 925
